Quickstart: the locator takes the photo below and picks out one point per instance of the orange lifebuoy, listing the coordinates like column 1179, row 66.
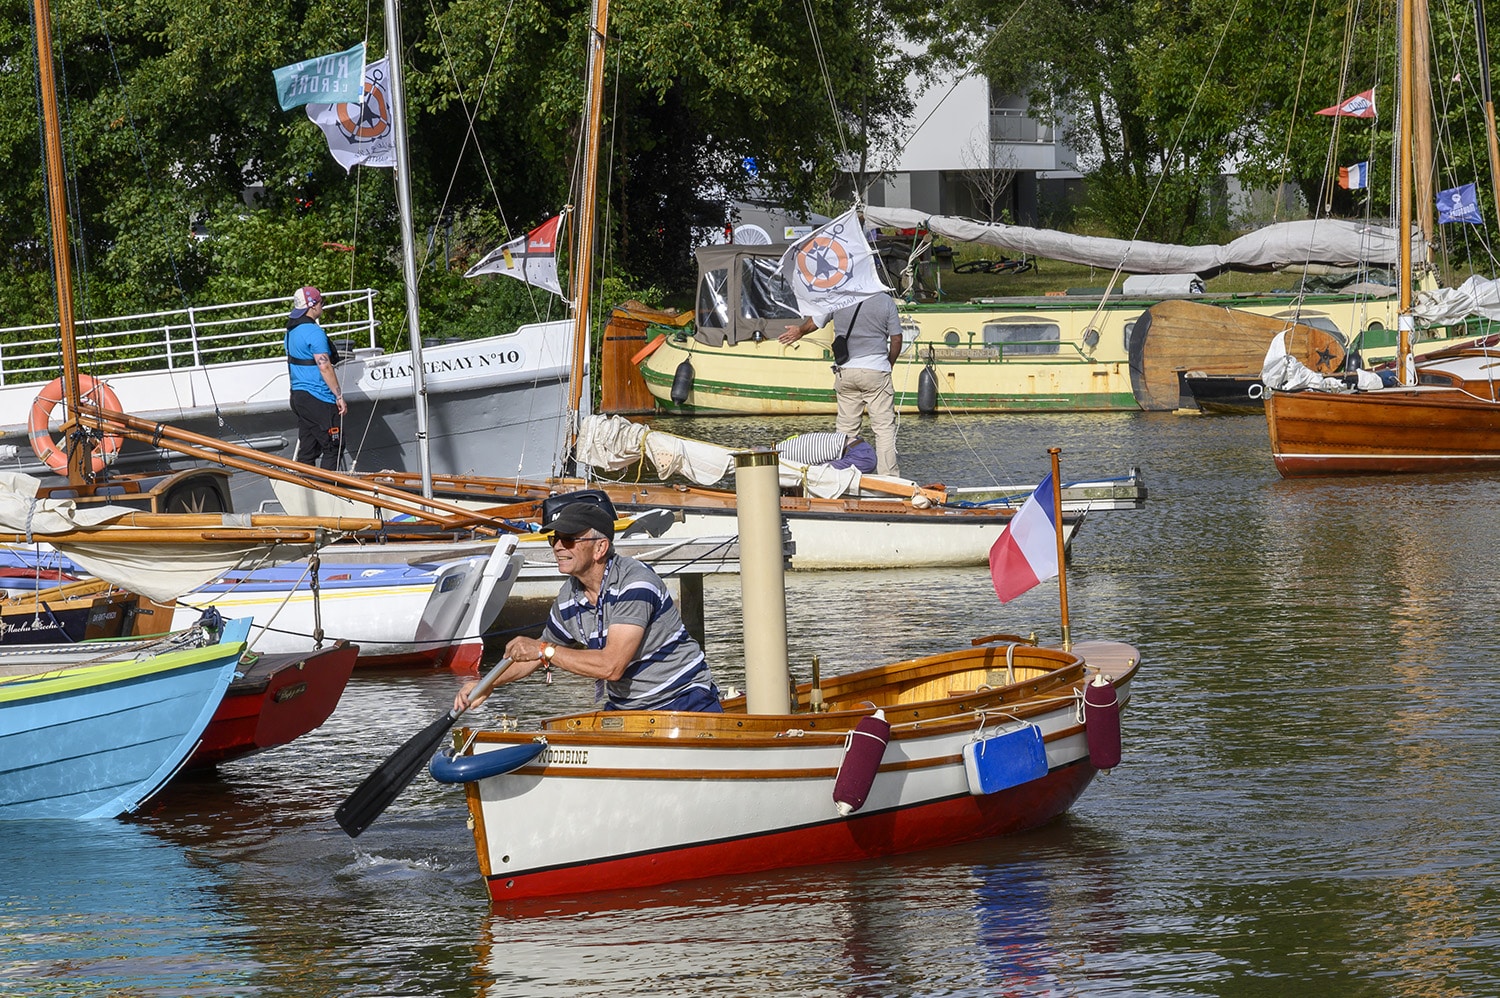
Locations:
column 47, row 399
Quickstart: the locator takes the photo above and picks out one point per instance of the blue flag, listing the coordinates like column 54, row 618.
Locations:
column 1459, row 204
column 328, row 79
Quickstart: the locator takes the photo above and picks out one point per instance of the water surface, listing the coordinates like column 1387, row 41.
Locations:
column 1305, row 805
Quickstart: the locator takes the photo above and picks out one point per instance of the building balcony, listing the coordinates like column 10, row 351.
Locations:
column 1013, row 127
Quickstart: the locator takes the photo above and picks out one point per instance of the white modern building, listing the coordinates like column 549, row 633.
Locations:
column 974, row 153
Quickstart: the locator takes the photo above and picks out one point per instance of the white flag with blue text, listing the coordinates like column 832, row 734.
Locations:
column 832, row 267
column 361, row 133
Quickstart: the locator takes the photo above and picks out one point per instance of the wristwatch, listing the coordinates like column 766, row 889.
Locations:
column 547, row 651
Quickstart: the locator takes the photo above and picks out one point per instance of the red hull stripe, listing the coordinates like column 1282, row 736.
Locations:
column 929, row 825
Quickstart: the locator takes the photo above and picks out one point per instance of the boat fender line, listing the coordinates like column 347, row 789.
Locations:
column 682, row 382
column 927, row 390
column 863, row 750
column 42, row 444
column 1101, row 722
column 446, row 767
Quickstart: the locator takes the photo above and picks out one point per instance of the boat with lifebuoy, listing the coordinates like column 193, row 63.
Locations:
column 496, row 403
column 749, row 792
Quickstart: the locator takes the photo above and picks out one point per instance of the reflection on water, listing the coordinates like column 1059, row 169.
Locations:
column 1304, row 807
column 110, row 907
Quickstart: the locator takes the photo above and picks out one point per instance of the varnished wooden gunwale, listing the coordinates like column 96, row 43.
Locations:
column 749, row 773
column 1030, row 697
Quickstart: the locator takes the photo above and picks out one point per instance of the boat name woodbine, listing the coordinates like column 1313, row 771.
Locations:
column 496, row 358
column 564, row 757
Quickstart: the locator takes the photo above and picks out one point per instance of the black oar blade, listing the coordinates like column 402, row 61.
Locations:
column 385, row 784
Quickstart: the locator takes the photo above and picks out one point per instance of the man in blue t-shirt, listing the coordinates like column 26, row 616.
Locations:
column 316, row 400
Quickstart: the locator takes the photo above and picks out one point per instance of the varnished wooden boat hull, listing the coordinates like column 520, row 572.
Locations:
column 632, row 799
column 1390, row 431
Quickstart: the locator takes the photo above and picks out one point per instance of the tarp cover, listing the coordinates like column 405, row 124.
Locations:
column 613, row 443
column 1328, row 241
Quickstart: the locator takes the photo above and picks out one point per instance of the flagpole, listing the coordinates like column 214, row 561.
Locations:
column 408, row 240
column 1062, row 569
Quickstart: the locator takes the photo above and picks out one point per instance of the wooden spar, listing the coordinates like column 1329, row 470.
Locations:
column 1062, row 558
column 1489, row 104
column 1424, row 201
column 57, row 208
column 583, row 257
column 283, row 469
column 170, row 535
column 1403, row 192
column 408, row 241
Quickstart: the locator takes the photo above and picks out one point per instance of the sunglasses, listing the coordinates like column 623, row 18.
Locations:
column 568, row 542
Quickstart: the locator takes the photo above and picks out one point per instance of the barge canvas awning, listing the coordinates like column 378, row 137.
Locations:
column 1331, row 242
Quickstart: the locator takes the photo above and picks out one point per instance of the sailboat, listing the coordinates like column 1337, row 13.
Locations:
column 835, row 518
column 1443, row 411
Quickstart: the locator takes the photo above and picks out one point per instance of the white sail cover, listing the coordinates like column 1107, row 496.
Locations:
column 162, row 572
column 1284, row 373
column 613, row 442
column 1333, row 242
column 1445, row 306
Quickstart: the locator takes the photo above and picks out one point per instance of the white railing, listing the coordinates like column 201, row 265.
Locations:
column 190, row 337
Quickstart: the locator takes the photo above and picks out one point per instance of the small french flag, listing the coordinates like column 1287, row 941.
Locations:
column 1026, row 551
column 1354, row 177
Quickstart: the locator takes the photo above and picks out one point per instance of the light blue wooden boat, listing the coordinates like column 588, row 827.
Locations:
column 97, row 740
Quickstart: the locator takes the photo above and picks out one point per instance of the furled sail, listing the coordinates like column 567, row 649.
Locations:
column 1332, row 242
column 161, row 570
column 1445, row 306
column 613, row 442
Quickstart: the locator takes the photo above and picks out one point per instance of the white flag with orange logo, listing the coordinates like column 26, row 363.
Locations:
column 361, row 134
column 832, row 267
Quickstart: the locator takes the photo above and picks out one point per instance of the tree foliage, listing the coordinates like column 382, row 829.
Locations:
column 1164, row 96
column 171, row 128
column 170, row 120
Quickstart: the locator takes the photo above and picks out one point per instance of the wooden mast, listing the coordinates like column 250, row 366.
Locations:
column 1404, row 368
column 62, row 265
column 1424, row 163
column 583, row 256
column 1489, row 103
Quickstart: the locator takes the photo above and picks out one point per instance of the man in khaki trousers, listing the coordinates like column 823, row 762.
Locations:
column 866, row 343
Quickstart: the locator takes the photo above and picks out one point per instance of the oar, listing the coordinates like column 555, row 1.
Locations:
column 385, row 784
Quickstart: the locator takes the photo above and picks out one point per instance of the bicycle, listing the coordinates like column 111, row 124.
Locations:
column 1004, row 265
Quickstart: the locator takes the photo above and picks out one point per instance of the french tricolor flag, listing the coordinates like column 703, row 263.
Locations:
column 1026, row 551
